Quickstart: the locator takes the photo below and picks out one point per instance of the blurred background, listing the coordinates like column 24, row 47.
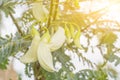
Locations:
column 16, row 68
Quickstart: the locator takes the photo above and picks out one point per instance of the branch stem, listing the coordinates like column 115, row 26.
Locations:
column 16, row 24
column 56, row 9
column 50, row 14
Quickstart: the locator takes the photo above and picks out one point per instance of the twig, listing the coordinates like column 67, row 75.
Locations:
column 91, row 24
column 16, row 24
column 109, row 21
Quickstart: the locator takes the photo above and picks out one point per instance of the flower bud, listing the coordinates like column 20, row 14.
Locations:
column 57, row 39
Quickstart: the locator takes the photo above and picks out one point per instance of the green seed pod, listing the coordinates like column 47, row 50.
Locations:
column 68, row 35
column 77, row 39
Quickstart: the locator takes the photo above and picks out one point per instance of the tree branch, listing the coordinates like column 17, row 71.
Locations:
column 50, row 13
column 56, row 9
column 16, row 24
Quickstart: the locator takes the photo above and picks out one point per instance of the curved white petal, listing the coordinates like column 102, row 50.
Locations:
column 44, row 66
column 45, row 57
column 31, row 55
column 57, row 39
column 39, row 11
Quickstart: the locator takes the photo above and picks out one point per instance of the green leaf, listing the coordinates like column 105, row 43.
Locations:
column 9, row 47
column 108, row 37
column 113, row 58
column 8, row 6
column 89, row 74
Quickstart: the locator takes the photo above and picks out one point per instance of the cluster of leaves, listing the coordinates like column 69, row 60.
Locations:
column 7, row 6
column 113, row 58
column 9, row 47
column 92, row 74
column 66, row 71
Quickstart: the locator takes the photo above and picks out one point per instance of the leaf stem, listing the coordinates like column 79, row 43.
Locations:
column 56, row 9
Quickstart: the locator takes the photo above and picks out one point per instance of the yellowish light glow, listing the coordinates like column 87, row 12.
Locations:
column 114, row 12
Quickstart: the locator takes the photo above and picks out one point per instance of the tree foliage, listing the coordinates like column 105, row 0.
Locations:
column 48, row 16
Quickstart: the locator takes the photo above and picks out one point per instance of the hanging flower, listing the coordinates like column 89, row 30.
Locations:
column 31, row 54
column 57, row 39
column 40, row 49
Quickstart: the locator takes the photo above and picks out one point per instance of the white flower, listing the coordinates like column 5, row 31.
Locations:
column 40, row 49
column 57, row 39
column 31, row 55
column 45, row 57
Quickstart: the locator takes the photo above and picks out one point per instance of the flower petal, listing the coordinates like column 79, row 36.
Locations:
column 57, row 39
column 45, row 37
column 31, row 55
column 39, row 11
column 45, row 57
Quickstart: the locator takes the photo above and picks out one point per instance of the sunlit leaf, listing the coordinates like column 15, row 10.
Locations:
column 68, row 34
column 77, row 40
column 108, row 38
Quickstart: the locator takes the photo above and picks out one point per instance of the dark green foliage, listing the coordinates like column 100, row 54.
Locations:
column 61, row 56
column 89, row 74
column 64, row 60
column 7, row 6
column 113, row 58
column 66, row 74
column 9, row 47
column 28, row 70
